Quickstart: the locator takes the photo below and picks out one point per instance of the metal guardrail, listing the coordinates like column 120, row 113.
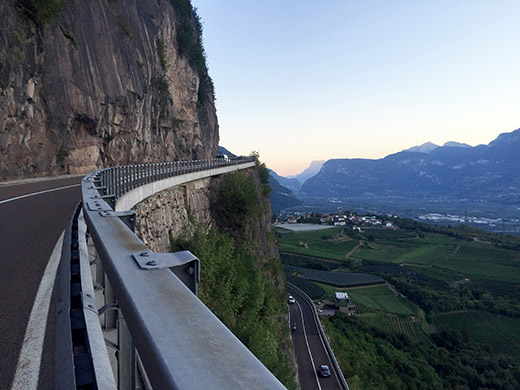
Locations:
column 167, row 338
column 119, row 180
column 323, row 336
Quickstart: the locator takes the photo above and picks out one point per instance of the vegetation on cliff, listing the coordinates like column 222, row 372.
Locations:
column 189, row 39
column 240, row 281
column 43, row 12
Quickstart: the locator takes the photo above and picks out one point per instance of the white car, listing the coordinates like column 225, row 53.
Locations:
column 291, row 299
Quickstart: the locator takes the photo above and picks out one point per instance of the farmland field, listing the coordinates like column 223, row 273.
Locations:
column 311, row 289
column 473, row 266
column 380, row 253
column 440, row 274
column 500, row 332
column 396, row 324
column 314, row 235
column 309, row 261
column 426, row 254
column 321, row 244
column 388, row 234
column 339, row 279
column 383, row 299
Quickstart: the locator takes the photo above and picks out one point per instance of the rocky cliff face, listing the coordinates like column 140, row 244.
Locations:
column 101, row 83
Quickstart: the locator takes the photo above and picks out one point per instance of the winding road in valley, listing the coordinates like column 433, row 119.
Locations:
column 309, row 347
column 33, row 215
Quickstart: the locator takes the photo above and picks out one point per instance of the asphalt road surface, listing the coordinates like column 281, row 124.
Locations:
column 309, row 347
column 33, row 214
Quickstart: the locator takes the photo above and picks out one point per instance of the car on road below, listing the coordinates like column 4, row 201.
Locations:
column 324, row 371
column 291, row 299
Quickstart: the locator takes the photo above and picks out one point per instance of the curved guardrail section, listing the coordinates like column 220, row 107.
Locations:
column 180, row 342
column 323, row 336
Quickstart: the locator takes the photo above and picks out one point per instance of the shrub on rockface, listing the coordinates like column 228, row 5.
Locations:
column 189, row 40
column 236, row 201
column 43, row 12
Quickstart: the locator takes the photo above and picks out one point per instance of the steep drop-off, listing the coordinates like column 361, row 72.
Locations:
column 101, row 83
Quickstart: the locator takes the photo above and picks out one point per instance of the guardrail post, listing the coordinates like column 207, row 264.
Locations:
column 106, row 174
column 119, row 184
column 126, row 357
column 123, row 175
column 110, row 315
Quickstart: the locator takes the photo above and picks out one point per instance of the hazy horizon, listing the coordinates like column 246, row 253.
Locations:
column 290, row 175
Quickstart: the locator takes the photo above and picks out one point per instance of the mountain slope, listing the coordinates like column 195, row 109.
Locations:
column 293, row 184
column 281, row 197
column 312, row 170
column 489, row 172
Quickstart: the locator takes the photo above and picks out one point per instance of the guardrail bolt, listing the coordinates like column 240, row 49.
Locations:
column 145, row 254
column 151, row 263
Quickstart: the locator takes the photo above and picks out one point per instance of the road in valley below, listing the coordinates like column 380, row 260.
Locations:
column 309, row 347
column 33, row 214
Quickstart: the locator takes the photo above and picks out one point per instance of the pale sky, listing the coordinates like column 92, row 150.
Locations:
column 304, row 80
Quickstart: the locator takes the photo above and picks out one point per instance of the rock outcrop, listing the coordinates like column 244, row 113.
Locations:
column 103, row 83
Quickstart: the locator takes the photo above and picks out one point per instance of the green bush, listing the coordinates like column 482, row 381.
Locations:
column 236, row 201
column 263, row 174
column 61, row 155
column 162, row 84
column 161, row 52
column 44, row 12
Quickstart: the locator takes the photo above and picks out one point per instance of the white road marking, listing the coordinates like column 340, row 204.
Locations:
column 308, row 348
column 38, row 193
column 28, row 367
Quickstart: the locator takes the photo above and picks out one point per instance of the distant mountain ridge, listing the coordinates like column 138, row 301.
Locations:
column 430, row 147
column 291, row 183
column 281, row 197
column 312, row 170
column 453, row 171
